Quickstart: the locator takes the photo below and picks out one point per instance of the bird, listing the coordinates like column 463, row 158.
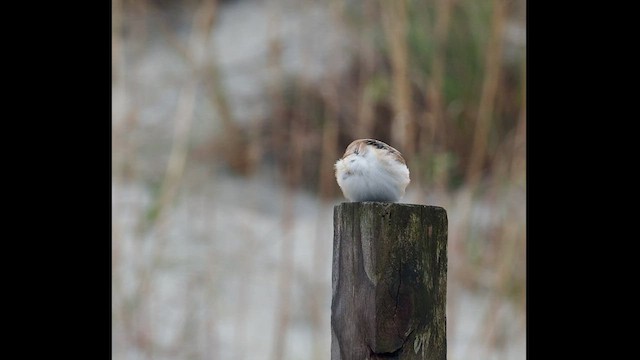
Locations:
column 371, row 170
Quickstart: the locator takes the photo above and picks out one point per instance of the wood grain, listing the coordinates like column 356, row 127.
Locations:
column 389, row 281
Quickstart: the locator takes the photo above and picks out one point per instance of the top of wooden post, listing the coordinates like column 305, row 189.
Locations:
column 406, row 210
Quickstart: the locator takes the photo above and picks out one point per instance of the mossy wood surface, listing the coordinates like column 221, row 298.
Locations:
column 389, row 281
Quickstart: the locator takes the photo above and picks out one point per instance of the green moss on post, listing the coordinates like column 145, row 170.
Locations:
column 389, row 281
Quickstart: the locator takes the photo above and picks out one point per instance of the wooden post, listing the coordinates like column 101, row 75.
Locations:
column 389, row 282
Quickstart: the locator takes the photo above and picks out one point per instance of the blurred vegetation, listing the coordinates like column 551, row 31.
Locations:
column 440, row 80
column 429, row 77
column 443, row 81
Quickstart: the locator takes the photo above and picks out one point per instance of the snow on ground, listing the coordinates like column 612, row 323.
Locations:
column 206, row 284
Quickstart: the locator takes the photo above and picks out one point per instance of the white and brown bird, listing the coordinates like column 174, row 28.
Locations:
column 371, row 170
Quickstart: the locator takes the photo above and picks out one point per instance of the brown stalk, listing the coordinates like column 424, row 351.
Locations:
column 395, row 25
column 490, row 84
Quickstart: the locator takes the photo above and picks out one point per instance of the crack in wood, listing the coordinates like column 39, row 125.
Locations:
column 389, row 354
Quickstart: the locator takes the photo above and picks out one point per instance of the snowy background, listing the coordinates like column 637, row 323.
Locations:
column 217, row 259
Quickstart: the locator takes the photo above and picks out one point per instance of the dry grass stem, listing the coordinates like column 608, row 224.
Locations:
column 394, row 21
column 493, row 61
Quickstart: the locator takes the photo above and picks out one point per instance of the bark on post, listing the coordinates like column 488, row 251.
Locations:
column 389, row 281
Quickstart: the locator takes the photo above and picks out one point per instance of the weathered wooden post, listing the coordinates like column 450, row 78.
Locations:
column 389, row 281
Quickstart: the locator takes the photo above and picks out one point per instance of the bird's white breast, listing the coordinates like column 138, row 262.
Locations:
column 372, row 177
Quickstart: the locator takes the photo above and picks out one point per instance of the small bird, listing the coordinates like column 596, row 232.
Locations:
column 371, row 170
